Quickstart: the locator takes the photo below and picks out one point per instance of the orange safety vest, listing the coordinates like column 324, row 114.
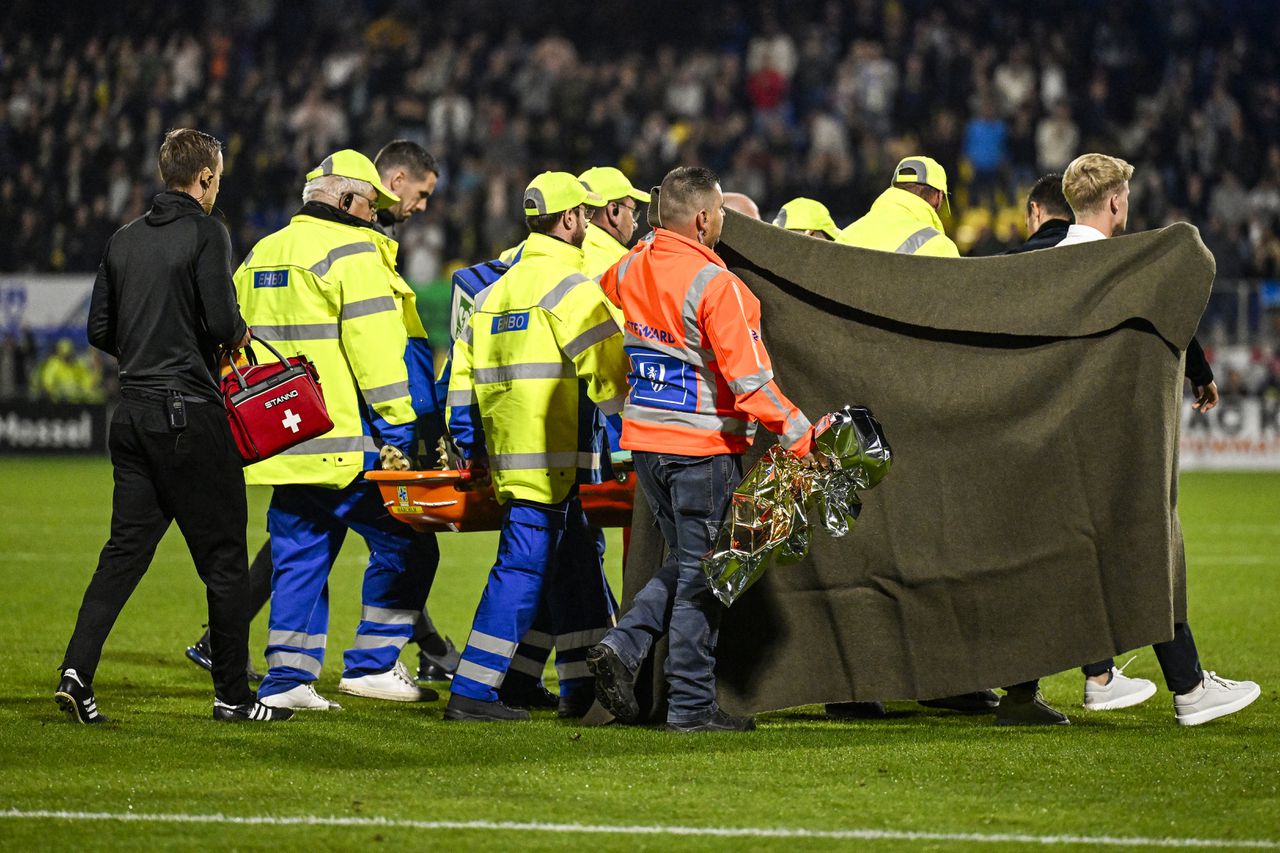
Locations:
column 700, row 376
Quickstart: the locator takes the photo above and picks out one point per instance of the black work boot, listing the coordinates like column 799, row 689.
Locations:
column 615, row 683
column 719, row 721
column 464, row 709
column 77, row 700
column 433, row 666
column 534, row 698
column 1028, row 709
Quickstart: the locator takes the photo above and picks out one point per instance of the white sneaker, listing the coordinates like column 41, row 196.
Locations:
column 301, row 698
column 1215, row 697
column 396, row 684
column 1120, row 692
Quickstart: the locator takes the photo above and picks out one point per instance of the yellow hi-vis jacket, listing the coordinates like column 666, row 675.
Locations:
column 600, row 250
column 330, row 290
column 540, row 335
column 902, row 222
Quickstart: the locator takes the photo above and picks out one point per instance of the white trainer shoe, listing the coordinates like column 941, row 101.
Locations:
column 1215, row 697
column 301, row 698
column 396, row 684
column 1120, row 692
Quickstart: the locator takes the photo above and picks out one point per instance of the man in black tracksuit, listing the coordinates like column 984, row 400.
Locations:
column 163, row 304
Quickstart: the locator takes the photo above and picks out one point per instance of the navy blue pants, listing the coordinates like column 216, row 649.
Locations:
column 689, row 496
column 529, row 577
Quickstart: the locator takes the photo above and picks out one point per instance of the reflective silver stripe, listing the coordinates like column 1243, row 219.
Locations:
column 365, row 307
column 491, row 644
column 796, row 427
column 561, row 290
column 579, row 639
column 326, row 165
column 528, row 666
column 623, row 267
column 387, row 616
column 482, row 674
column 526, row 461
column 481, row 297
column 247, row 258
column 298, row 332
column 912, row 244
column 533, row 194
column 538, row 639
column 385, row 393
column 693, row 299
column 465, row 336
column 692, row 420
column 297, row 660
column 377, row 641
column 353, row 444
column 613, row 406
column 573, row 669
column 747, row 384
column 591, row 337
column 511, row 372
column 322, row 267
column 297, row 639
column 458, row 398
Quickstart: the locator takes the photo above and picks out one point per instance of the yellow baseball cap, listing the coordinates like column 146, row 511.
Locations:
column 555, row 192
column 610, row 184
column 348, row 163
column 918, row 169
column 805, row 214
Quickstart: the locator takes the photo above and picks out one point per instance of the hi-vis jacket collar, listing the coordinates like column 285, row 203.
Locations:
column 671, row 241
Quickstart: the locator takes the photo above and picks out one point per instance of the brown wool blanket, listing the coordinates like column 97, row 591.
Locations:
column 1029, row 523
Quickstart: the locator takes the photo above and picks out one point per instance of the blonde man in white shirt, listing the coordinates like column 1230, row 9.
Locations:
column 1097, row 188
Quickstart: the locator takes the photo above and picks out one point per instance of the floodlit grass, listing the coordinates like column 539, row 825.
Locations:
column 1130, row 773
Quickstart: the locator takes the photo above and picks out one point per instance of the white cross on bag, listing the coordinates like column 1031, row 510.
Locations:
column 291, row 420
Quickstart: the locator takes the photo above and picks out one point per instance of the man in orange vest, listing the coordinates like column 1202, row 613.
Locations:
column 700, row 381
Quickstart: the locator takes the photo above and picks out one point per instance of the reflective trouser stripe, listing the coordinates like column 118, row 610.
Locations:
column 387, row 616
column 579, row 639
column 528, row 666
column 294, row 660
column 297, row 639
column 541, row 639
column 492, row 645
column 481, row 674
column 916, row 241
column 379, row 641
column 572, row 669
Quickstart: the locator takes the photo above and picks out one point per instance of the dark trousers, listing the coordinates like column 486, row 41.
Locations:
column 425, row 633
column 194, row 477
column 1179, row 663
column 689, row 496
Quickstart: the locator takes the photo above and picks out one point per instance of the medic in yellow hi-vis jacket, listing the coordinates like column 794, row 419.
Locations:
column 904, row 219
column 326, row 285
column 540, row 338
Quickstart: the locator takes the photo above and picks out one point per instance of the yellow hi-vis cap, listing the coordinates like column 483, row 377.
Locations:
column 918, row 169
column 805, row 214
column 556, row 192
column 348, row 163
column 610, row 184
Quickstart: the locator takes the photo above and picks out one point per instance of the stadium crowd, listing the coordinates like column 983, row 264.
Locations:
column 809, row 98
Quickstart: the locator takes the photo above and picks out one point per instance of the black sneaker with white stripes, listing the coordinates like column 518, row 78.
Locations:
column 249, row 712
column 77, row 699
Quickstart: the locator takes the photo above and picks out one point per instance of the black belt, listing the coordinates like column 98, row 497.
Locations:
column 146, row 395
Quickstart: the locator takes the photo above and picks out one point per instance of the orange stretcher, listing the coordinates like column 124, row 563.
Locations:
column 447, row 500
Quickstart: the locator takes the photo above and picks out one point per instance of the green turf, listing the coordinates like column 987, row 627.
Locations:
column 1126, row 773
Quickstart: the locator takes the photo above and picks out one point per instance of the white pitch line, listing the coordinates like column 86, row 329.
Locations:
column 642, row 829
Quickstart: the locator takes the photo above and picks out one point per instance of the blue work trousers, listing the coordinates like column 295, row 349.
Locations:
column 689, row 497
column 308, row 525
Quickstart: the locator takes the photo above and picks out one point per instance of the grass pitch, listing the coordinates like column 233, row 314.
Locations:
column 918, row 780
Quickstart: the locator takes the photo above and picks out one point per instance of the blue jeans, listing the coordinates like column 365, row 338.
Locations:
column 689, row 496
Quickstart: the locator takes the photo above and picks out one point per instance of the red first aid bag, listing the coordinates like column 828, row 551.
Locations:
column 273, row 407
